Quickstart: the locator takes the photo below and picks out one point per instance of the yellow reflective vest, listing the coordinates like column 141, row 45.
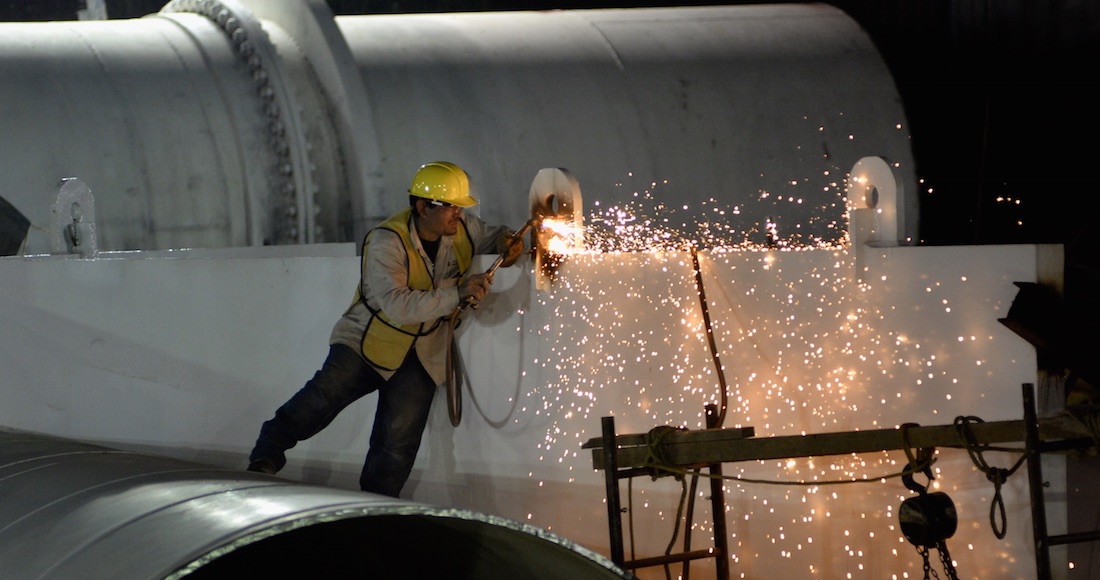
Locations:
column 386, row 343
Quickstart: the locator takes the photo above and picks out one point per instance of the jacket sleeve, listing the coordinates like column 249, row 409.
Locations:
column 385, row 284
column 485, row 238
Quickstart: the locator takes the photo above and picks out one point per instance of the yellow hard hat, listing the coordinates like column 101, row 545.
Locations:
column 443, row 181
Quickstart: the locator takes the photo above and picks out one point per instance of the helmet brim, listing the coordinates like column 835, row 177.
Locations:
column 467, row 201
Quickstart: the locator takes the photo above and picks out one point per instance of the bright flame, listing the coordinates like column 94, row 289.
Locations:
column 561, row 236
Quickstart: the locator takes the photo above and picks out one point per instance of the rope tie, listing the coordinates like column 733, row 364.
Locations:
column 655, row 455
column 997, row 475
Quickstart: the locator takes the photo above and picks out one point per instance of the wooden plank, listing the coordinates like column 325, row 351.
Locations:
column 691, row 448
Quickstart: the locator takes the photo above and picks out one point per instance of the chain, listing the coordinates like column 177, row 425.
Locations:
column 945, row 561
column 928, row 571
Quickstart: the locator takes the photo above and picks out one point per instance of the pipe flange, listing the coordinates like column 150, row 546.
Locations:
column 254, row 48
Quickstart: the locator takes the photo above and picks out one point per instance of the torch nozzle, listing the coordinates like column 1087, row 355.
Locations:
column 516, row 238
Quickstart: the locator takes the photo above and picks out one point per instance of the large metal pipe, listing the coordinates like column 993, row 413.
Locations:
column 220, row 123
column 76, row 510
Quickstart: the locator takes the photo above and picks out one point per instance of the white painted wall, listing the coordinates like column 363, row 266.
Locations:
column 185, row 354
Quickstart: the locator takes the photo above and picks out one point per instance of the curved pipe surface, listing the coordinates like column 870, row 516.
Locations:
column 222, row 123
column 727, row 116
column 76, row 510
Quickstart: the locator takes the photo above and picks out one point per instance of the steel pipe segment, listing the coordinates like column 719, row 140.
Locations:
column 224, row 123
column 78, row 510
column 729, row 116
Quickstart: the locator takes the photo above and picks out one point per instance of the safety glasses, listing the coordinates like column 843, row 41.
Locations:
column 443, row 204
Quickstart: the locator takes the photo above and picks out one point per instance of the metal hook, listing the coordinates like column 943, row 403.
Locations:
column 923, row 458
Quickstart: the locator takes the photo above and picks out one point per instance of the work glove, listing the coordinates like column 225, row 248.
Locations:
column 511, row 252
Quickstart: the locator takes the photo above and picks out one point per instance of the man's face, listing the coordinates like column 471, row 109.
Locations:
column 439, row 219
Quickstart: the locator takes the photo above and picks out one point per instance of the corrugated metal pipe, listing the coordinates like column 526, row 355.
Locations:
column 70, row 509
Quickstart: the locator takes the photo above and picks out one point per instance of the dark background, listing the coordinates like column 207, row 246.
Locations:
column 1001, row 95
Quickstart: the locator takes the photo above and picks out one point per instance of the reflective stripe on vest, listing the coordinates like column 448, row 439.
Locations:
column 386, row 343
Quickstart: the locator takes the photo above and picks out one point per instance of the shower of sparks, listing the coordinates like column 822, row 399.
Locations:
column 799, row 342
column 646, row 224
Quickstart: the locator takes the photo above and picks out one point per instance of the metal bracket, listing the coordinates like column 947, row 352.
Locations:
column 74, row 220
column 558, row 217
column 873, row 216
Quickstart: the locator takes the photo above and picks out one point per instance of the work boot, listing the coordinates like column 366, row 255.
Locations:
column 263, row 466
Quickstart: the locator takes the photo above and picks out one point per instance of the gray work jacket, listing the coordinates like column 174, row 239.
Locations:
column 384, row 286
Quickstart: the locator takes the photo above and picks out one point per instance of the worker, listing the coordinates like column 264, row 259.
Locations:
column 394, row 338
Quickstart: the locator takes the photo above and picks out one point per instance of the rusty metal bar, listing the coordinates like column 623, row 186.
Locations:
column 611, row 476
column 1035, row 483
column 718, row 502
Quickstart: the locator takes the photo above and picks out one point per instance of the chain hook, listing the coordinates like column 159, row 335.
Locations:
column 919, row 463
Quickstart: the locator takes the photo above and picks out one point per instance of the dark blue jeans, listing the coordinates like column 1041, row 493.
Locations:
column 403, row 405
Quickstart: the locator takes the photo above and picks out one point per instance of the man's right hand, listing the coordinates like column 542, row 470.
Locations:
column 475, row 288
